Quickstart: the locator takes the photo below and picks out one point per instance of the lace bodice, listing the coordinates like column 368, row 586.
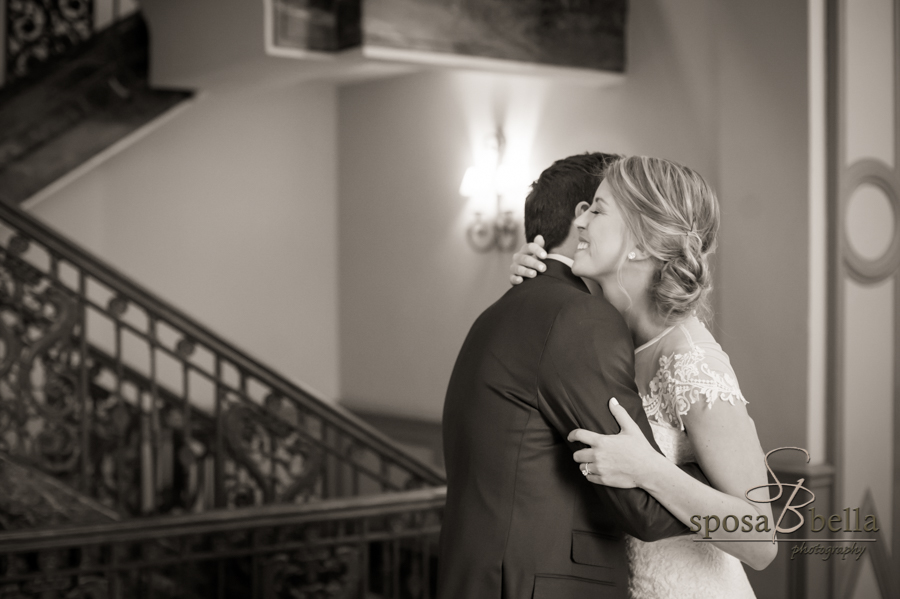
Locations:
column 683, row 369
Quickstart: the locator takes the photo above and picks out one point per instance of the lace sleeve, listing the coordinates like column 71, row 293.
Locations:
column 684, row 379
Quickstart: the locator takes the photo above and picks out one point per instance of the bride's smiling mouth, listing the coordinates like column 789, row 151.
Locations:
column 583, row 245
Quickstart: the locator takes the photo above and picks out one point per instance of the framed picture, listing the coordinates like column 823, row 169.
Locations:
column 301, row 27
column 495, row 34
column 584, row 34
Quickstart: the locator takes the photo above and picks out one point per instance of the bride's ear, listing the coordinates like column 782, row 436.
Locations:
column 581, row 208
column 636, row 254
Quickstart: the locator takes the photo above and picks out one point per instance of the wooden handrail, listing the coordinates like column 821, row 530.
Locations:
column 223, row 520
column 156, row 307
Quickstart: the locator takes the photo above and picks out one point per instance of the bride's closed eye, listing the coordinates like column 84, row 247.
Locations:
column 597, row 208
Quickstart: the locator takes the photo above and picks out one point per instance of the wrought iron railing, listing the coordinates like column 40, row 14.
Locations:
column 35, row 32
column 134, row 404
column 365, row 547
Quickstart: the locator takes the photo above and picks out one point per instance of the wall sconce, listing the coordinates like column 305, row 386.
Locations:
column 486, row 182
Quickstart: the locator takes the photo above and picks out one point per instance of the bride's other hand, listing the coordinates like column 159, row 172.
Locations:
column 527, row 261
column 621, row 460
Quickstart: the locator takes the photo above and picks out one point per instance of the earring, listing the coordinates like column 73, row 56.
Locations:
column 632, row 255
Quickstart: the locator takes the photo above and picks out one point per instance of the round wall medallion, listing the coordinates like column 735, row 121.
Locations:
column 870, row 222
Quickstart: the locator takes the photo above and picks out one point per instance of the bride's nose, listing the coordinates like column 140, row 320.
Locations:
column 581, row 221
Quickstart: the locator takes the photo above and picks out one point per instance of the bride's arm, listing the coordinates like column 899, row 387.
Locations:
column 727, row 448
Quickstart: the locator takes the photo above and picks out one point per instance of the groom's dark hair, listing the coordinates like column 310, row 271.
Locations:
column 550, row 207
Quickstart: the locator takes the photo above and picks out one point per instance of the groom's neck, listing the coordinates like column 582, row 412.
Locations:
column 566, row 248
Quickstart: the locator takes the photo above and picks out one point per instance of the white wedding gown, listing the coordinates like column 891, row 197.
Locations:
column 683, row 368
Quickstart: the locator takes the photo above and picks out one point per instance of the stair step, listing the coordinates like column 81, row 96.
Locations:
column 32, row 499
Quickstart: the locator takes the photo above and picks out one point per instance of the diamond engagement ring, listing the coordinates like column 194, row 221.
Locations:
column 584, row 469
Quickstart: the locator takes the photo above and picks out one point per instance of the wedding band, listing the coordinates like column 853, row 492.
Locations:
column 584, row 469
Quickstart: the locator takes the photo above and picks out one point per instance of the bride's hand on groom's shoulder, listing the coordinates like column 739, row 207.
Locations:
column 623, row 460
column 528, row 261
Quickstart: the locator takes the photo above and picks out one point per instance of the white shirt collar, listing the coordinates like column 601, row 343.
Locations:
column 564, row 259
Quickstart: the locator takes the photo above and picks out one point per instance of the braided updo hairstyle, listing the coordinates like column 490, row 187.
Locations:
column 673, row 215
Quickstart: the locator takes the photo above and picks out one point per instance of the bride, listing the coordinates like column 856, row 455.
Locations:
column 646, row 241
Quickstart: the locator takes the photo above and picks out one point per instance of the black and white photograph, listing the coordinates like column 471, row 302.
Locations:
column 449, row 299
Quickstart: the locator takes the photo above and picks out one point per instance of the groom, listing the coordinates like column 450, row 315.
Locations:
column 521, row 521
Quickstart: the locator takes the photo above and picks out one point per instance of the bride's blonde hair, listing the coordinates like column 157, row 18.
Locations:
column 672, row 215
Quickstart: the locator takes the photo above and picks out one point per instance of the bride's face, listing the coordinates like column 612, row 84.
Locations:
column 602, row 237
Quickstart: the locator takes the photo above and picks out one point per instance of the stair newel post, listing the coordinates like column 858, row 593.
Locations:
column 87, row 404
column 220, row 442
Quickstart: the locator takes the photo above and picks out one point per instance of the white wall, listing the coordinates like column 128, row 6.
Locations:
column 410, row 286
column 229, row 211
column 763, row 150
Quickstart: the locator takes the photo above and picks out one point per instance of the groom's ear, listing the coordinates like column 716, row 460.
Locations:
column 581, row 208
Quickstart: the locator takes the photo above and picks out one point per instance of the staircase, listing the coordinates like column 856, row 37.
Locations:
column 204, row 473
column 32, row 499
column 141, row 455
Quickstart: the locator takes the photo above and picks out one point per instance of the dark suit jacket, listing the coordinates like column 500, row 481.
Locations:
column 521, row 521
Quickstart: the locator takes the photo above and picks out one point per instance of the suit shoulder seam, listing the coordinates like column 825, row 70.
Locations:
column 537, row 375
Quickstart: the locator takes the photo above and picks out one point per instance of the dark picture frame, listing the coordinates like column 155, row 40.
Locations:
column 313, row 25
column 585, row 34
column 496, row 34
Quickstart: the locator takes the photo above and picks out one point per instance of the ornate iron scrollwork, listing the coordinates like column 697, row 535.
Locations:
column 39, row 30
column 282, row 463
column 130, row 403
column 326, row 573
column 39, row 408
